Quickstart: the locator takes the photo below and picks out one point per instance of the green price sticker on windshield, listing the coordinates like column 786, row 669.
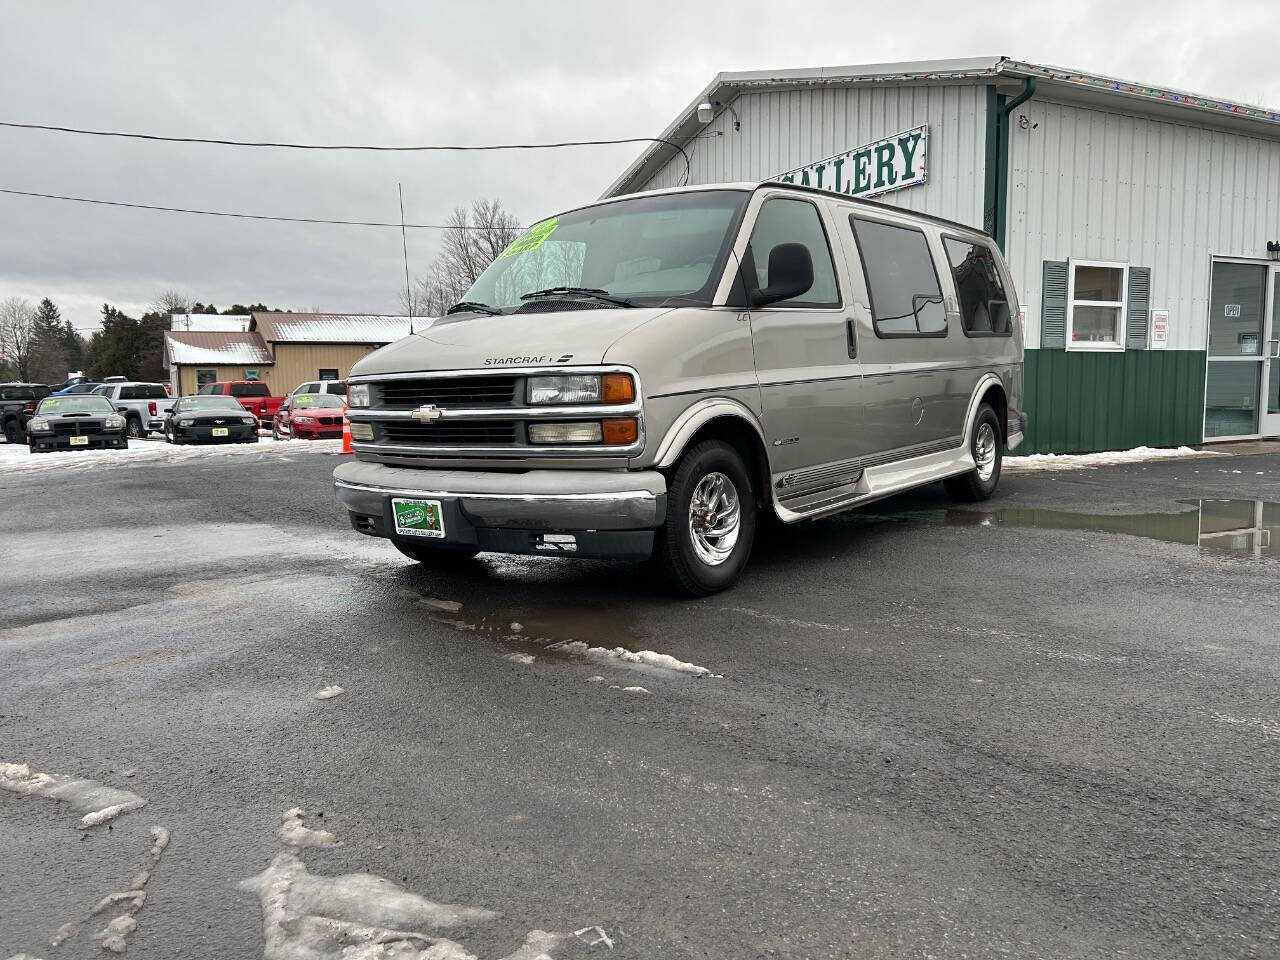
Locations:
column 304, row 400
column 532, row 239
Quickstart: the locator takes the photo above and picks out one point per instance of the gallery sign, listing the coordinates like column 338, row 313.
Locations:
column 889, row 164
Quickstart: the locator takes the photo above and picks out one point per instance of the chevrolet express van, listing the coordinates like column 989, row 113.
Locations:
column 647, row 375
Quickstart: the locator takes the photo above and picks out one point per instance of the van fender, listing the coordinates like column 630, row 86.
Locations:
column 694, row 418
column 985, row 382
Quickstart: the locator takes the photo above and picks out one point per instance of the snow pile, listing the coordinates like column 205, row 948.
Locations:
column 329, row 692
column 656, row 662
column 16, row 458
column 524, row 658
column 97, row 804
column 1037, row 462
column 360, row 916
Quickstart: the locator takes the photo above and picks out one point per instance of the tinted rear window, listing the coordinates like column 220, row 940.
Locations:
column 17, row 393
column 250, row 390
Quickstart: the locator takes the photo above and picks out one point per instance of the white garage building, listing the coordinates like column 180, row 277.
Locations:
column 1142, row 224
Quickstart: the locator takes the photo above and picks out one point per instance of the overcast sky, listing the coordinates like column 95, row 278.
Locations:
column 421, row 72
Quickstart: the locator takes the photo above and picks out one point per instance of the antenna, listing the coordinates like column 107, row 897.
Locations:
column 404, row 243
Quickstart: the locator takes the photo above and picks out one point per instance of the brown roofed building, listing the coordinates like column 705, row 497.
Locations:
column 281, row 349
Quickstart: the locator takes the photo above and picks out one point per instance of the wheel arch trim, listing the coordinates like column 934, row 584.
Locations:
column 694, row 418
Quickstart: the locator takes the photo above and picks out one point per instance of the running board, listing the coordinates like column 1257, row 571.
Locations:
column 873, row 482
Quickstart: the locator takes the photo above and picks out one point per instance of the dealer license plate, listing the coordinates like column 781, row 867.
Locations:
column 219, row 431
column 418, row 518
column 79, row 441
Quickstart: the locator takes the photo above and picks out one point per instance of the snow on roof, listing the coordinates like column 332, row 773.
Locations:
column 331, row 327
column 214, row 347
column 225, row 323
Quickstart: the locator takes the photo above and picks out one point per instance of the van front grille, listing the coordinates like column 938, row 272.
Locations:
column 462, row 433
column 496, row 391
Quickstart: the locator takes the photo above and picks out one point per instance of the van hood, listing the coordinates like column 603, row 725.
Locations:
column 477, row 341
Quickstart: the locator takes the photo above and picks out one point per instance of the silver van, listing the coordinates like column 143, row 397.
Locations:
column 646, row 375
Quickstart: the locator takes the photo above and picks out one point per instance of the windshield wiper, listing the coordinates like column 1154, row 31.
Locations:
column 595, row 293
column 472, row 306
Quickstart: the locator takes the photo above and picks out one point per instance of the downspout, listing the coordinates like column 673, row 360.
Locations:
column 1001, row 199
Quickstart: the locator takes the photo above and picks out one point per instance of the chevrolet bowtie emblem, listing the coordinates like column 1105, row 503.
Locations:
column 427, row 413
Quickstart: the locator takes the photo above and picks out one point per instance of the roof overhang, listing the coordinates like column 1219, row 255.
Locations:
column 1057, row 83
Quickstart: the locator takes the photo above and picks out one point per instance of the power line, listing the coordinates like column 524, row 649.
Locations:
column 80, row 131
column 239, row 216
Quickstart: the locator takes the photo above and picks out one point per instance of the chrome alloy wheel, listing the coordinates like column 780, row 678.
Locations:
column 984, row 451
column 715, row 516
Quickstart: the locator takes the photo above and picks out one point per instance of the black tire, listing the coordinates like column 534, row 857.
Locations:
column 124, row 443
column 685, row 563
column 979, row 484
column 434, row 555
column 133, row 428
column 13, row 432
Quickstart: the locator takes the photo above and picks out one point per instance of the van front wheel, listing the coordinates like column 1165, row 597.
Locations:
column 711, row 520
column 980, row 482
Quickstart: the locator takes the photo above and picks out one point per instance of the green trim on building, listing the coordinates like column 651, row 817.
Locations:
column 1081, row 402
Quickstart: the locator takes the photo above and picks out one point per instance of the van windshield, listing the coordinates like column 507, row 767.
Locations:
column 652, row 251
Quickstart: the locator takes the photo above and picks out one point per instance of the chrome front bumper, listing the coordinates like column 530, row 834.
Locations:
column 533, row 500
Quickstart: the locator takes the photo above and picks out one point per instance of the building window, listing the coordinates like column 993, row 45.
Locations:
column 906, row 298
column 984, row 308
column 328, row 373
column 205, row 377
column 1095, row 305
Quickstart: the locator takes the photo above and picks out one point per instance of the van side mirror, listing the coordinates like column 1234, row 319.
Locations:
column 790, row 274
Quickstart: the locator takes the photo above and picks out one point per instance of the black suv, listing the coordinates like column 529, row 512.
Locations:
column 17, row 404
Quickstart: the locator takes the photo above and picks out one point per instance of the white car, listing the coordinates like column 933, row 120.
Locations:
column 143, row 405
column 338, row 387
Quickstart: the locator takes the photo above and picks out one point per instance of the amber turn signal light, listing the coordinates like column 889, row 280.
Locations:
column 617, row 388
column 620, row 432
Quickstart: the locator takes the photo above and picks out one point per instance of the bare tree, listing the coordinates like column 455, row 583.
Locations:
column 17, row 339
column 171, row 301
column 471, row 241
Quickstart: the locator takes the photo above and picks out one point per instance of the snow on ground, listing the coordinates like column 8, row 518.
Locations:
column 98, row 804
column 328, row 693
column 360, row 916
column 655, row 662
column 1088, row 461
column 16, row 458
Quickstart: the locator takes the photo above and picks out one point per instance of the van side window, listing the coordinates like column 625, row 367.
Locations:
column 795, row 221
column 984, row 307
column 906, row 298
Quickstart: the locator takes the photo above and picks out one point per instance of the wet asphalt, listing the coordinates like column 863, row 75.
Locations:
column 936, row 733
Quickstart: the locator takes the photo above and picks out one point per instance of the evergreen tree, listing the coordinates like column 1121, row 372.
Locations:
column 48, row 357
column 73, row 344
column 116, row 349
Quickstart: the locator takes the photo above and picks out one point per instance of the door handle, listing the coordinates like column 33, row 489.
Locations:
column 851, row 330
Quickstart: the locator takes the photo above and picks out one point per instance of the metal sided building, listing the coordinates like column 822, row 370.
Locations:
column 1142, row 224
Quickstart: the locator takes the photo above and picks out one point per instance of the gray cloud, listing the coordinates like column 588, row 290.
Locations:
column 412, row 72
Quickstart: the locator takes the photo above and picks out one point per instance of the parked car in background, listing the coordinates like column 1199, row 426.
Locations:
column 78, row 422
column 309, row 416
column 253, row 395
column 143, row 405
column 76, row 389
column 210, row 419
column 17, row 404
column 338, row 387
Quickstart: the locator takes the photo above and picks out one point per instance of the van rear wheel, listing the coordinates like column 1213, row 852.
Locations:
column 711, row 520
column 985, row 445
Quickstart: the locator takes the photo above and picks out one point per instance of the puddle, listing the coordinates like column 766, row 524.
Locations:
column 1237, row 528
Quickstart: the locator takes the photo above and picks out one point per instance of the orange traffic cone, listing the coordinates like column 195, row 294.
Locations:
column 346, row 436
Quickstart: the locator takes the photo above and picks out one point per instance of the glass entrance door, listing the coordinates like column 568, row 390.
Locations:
column 1238, row 350
column 1271, row 366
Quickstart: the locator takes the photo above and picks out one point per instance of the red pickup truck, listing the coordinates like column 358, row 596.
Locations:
column 252, row 394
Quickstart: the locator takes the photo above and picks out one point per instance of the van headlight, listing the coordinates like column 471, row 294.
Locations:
column 579, row 388
column 358, row 395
